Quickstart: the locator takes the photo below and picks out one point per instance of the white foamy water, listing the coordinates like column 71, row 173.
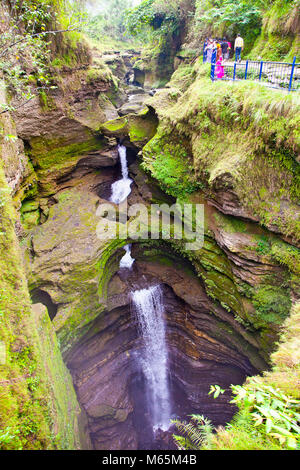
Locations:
column 122, row 188
column 149, row 310
column 127, row 260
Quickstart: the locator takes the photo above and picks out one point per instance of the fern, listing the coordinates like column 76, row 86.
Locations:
column 194, row 434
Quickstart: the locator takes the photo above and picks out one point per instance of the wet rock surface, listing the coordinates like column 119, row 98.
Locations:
column 104, row 364
column 99, row 336
column 78, row 276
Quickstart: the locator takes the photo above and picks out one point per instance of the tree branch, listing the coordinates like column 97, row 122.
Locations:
column 36, row 35
column 25, row 102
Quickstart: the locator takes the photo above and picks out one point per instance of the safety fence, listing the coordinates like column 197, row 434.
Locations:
column 273, row 74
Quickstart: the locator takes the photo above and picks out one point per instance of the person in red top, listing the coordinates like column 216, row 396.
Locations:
column 219, row 65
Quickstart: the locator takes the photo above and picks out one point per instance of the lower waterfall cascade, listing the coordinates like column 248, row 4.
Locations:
column 149, row 310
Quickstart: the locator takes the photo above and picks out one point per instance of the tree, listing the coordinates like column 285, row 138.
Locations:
column 106, row 19
column 25, row 34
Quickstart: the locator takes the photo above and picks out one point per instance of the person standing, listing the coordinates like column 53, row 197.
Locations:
column 229, row 50
column 209, row 51
column 219, row 65
column 224, row 47
column 214, row 52
column 238, row 47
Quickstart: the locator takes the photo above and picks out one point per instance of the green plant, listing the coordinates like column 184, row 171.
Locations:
column 268, row 418
column 234, row 16
column 26, row 30
column 272, row 304
column 162, row 19
column 273, row 413
column 263, row 246
column 9, row 437
column 216, row 390
column 110, row 22
column 194, row 434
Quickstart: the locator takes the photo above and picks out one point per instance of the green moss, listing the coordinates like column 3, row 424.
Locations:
column 47, row 153
column 231, row 224
column 31, row 412
column 137, row 133
column 115, row 126
column 63, row 396
column 101, row 73
column 279, row 39
column 287, row 255
column 78, row 317
column 243, row 138
column 138, row 128
column 29, row 206
column 30, row 219
column 170, row 164
column 47, row 102
column 272, row 305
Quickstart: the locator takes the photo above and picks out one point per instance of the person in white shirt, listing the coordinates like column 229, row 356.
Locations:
column 238, row 47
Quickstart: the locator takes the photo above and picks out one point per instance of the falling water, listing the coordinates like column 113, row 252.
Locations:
column 149, row 309
column 127, row 260
column 122, row 188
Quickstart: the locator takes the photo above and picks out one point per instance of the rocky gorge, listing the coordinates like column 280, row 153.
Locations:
column 224, row 304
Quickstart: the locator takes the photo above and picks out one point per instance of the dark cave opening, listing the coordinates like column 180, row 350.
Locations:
column 39, row 296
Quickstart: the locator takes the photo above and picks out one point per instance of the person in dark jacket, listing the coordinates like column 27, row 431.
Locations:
column 225, row 49
column 214, row 51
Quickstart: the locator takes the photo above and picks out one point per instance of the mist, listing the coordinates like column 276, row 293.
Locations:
column 94, row 7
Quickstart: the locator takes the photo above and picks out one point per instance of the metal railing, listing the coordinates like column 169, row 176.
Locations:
column 280, row 75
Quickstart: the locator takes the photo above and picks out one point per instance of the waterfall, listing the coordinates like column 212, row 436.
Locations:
column 122, row 188
column 149, row 310
column 127, row 260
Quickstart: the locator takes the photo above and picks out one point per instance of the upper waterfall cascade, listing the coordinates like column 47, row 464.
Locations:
column 122, row 188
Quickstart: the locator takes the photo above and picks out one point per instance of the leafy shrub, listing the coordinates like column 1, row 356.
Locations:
column 273, row 413
column 268, row 419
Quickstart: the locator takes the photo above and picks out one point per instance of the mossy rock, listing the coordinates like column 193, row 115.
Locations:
column 30, row 219
column 38, row 406
column 221, row 140
column 29, row 206
column 49, row 153
column 72, row 264
column 138, row 129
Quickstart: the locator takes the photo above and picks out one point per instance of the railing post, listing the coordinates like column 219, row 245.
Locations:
column 261, row 69
column 246, row 70
column 234, row 71
column 292, row 74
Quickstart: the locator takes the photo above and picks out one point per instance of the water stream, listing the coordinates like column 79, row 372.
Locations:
column 127, row 260
column 122, row 188
column 149, row 310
